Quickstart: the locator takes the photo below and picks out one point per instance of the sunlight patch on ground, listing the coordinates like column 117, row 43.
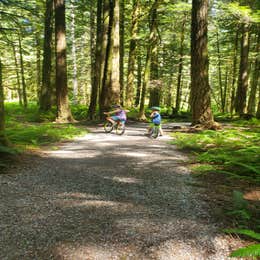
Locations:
column 133, row 154
column 253, row 195
column 126, row 180
column 74, row 154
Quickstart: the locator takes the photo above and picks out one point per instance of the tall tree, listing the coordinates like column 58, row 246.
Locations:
column 155, row 84
column 46, row 87
column 132, row 54
column 200, row 89
column 181, row 54
column 151, row 52
column 234, row 75
column 95, row 86
column 63, row 108
column 110, row 93
column 255, row 80
column 240, row 103
column 3, row 138
column 25, row 103
column 74, row 56
column 122, row 49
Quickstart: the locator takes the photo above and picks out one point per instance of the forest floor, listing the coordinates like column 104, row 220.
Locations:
column 105, row 196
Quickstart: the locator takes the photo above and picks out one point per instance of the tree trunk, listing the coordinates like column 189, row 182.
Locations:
column 115, row 77
column 3, row 138
column 240, row 104
column 63, row 109
column 17, row 76
column 234, row 75
column 122, row 49
column 22, row 73
column 258, row 105
column 255, row 79
column 200, row 89
column 178, row 94
column 97, row 66
column 139, row 81
column 151, row 50
column 220, row 77
column 74, row 56
column 111, row 85
column 155, row 86
column 132, row 55
column 46, row 87
column 105, row 63
column 38, row 65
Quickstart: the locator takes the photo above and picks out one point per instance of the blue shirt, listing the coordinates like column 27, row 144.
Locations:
column 156, row 118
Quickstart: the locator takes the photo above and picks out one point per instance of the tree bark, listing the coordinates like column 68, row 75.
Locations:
column 220, row 77
column 200, row 89
column 155, row 86
column 74, row 56
column 38, row 66
column 122, row 49
column 234, row 75
column 3, row 139
column 151, row 50
column 139, row 81
column 97, row 65
column 178, row 93
column 22, row 73
column 46, row 87
column 63, row 109
column 240, row 104
column 105, row 62
column 132, row 55
column 17, row 76
column 111, row 81
column 255, row 79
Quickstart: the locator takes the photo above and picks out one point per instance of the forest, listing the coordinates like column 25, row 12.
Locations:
column 63, row 63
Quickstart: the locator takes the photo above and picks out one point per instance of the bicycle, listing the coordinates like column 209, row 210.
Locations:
column 119, row 126
column 154, row 131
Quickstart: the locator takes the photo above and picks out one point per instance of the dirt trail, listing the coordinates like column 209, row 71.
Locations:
column 105, row 196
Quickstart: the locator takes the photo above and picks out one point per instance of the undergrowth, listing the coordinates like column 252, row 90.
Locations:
column 234, row 152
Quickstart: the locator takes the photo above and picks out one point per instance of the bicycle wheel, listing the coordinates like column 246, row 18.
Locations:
column 155, row 132
column 108, row 127
column 120, row 128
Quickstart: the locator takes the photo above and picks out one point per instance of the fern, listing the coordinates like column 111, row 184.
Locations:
column 249, row 167
column 252, row 250
column 246, row 232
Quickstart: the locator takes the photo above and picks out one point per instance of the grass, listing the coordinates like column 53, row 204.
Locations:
column 234, row 151
column 29, row 129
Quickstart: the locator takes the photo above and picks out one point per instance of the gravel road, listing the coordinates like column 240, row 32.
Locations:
column 105, row 196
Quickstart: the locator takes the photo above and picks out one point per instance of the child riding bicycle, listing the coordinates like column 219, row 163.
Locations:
column 119, row 115
column 156, row 120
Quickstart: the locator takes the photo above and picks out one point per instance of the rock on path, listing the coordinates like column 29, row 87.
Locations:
column 105, row 196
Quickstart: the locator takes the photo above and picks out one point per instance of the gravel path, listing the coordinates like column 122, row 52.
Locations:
column 105, row 196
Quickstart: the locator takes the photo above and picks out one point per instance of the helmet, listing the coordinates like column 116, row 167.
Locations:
column 156, row 108
column 116, row 106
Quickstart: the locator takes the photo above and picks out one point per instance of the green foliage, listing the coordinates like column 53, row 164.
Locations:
column 79, row 112
column 249, row 251
column 23, row 127
column 239, row 213
column 245, row 232
column 8, row 150
column 235, row 152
